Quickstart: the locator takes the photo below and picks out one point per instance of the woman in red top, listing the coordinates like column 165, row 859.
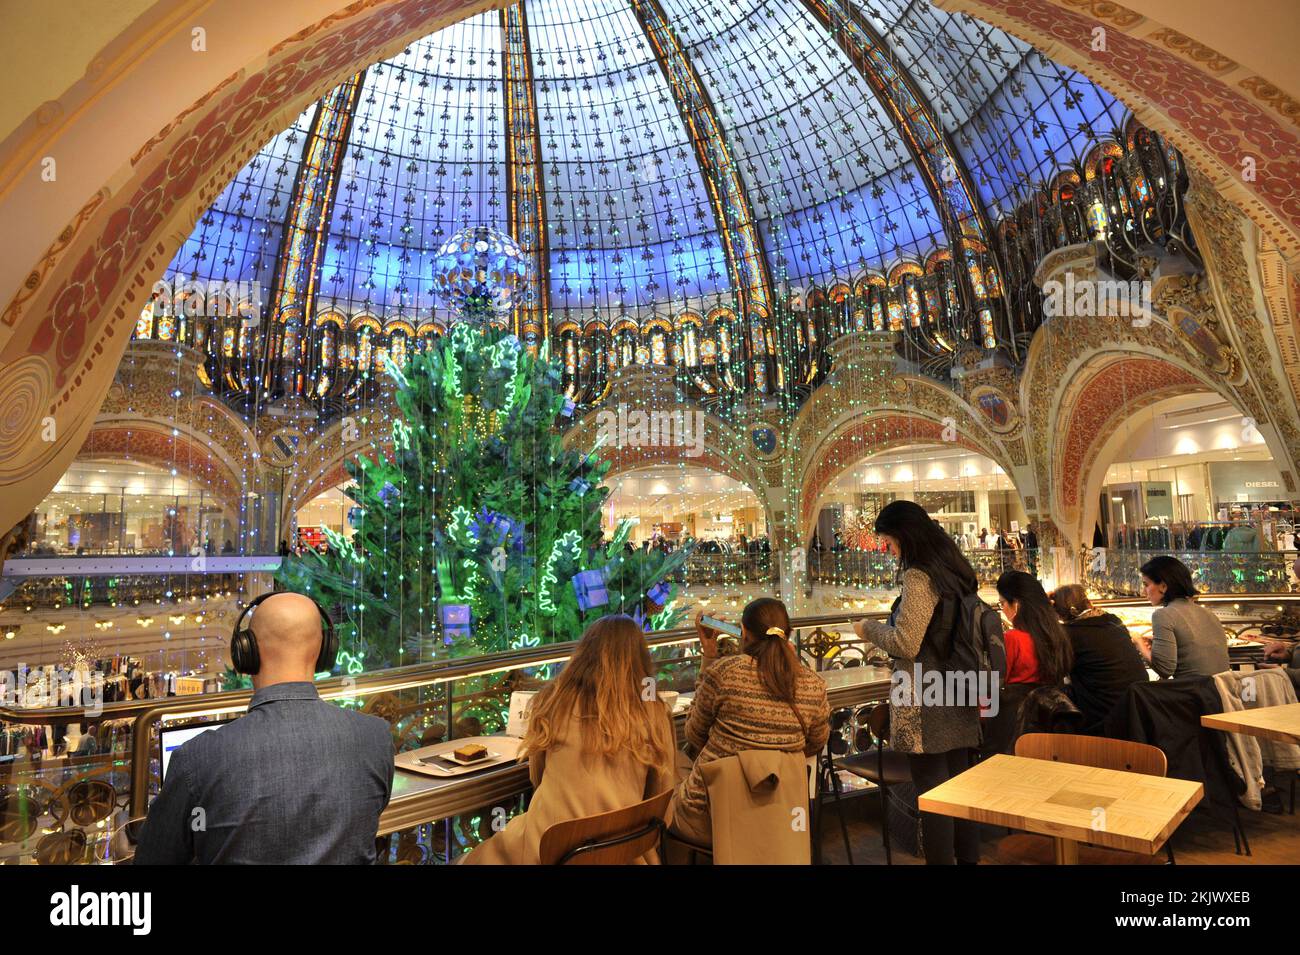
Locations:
column 1038, row 648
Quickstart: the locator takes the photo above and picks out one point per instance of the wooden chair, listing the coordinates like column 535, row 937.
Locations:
column 1032, row 849
column 617, row 837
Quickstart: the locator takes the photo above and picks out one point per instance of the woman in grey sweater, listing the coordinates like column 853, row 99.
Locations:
column 1186, row 639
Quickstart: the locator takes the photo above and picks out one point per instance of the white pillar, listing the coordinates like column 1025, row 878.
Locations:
column 981, row 511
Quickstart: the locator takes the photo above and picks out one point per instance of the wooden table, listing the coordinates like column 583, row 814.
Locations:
column 1069, row 802
column 1279, row 723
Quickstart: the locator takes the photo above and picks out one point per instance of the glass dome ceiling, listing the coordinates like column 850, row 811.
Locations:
column 684, row 148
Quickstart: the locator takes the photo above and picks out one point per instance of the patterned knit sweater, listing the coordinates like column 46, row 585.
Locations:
column 733, row 711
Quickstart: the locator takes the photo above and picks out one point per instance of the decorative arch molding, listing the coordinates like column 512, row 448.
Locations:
column 1109, row 392
column 860, row 437
column 149, row 397
column 1175, row 93
column 721, row 449
column 152, row 443
column 63, row 331
column 325, row 462
column 874, row 386
column 1073, row 407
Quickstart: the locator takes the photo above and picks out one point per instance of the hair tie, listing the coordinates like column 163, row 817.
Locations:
column 775, row 632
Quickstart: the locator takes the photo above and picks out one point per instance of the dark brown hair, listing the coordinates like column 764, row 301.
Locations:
column 1070, row 600
column 778, row 663
column 1036, row 616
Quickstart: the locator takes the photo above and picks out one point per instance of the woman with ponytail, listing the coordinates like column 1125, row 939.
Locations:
column 761, row 698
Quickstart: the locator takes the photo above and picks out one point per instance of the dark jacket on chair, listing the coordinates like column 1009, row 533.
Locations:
column 1168, row 714
column 1047, row 709
column 1106, row 663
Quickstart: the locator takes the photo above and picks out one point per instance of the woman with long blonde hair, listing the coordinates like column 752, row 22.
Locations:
column 598, row 739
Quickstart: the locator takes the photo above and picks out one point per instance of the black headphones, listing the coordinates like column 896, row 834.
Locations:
column 243, row 642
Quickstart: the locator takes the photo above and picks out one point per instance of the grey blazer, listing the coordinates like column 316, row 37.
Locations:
column 295, row 781
column 1187, row 640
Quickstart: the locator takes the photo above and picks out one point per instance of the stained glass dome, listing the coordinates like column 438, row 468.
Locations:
column 701, row 168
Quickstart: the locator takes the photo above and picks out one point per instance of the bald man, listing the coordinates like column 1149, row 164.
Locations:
column 295, row 780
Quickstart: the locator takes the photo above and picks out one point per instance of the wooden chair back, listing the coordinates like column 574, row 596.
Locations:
column 617, row 837
column 1094, row 751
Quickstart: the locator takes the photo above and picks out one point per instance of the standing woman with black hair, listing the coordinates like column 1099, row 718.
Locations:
column 1038, row 648
column 1186, row 639
column 937, row 738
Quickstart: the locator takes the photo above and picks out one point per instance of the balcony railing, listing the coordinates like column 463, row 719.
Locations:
column 1117, row 572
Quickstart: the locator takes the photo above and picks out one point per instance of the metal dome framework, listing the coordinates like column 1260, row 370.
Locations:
column 717, row 188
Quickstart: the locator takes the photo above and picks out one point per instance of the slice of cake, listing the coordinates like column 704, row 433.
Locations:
column 470, row 752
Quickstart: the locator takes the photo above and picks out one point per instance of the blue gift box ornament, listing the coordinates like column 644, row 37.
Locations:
column 566, row 409
column 493, row 527
column 455, row 621
column 658, row 594
column 389, row 492
column 579, row 487
column 589, row 587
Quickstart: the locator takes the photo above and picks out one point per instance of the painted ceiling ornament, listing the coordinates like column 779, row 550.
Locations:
column 480, row 273
column 997, row 409
column 765, row 438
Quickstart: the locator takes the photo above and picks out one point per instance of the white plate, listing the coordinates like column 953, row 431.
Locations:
column 483, row 760
column 501, row 750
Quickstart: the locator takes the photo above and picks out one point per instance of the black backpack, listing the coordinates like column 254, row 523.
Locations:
column 965, row 634
column 977, row 644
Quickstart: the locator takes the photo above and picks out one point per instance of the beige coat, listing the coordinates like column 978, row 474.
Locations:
column 734, row 712
column 1247, row 754
column 758, row 803
column 570, row 784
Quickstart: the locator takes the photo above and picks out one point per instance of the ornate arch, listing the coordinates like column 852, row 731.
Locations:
column 63, row 331
column 1085, row 377
column 156, row 444
column 861, row 437
column 1170, row 84
column 722, row 448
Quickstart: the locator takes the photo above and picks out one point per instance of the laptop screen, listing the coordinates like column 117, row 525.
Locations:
column 175, row 738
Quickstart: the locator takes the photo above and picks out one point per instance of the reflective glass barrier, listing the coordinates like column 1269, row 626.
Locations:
column 877, row 570
column 1117, row 572
column 119, row 520
column 73, row 777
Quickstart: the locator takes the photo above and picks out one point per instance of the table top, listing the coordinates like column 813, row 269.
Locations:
column 1280, row 723
column 1102, row 807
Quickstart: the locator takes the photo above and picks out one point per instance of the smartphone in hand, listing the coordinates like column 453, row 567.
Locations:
column 722, row 626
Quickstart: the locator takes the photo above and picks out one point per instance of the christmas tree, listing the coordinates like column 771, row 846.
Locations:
column 480, row 532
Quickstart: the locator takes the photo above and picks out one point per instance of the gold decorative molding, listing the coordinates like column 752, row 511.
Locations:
column 1107, row 12
column 1272, row 97
column 1180, row 43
